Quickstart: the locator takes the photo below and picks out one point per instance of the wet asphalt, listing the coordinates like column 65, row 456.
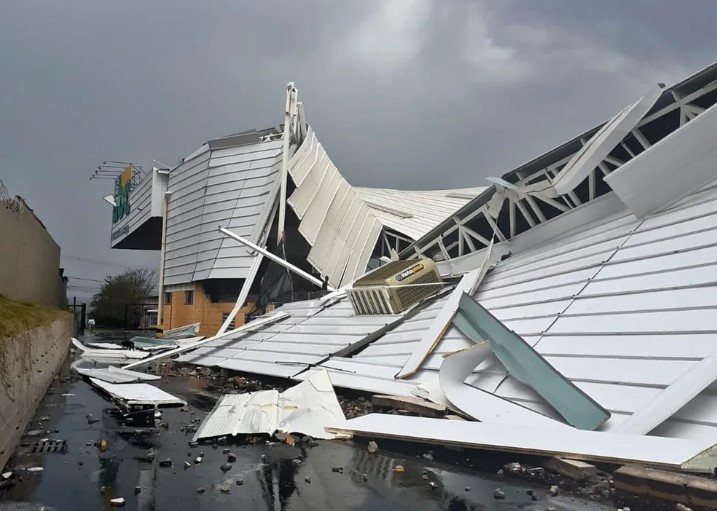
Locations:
column 265, row 476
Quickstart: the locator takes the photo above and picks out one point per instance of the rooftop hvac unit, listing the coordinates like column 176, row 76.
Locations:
column 394, row 287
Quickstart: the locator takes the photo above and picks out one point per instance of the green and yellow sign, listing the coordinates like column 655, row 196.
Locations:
column 123, row 186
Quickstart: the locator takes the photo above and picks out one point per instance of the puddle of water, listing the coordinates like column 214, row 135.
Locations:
column 271, row 478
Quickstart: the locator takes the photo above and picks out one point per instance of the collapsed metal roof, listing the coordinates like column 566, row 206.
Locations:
column 619, row 302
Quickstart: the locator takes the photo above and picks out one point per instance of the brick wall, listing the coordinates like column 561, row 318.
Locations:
column 202, row 310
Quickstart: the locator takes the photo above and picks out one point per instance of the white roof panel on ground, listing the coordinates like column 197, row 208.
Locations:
column 312, row 332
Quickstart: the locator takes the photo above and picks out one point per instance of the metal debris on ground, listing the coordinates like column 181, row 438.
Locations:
column 307, row 408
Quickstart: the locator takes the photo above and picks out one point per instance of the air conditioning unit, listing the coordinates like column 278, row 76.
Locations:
column 395, row 287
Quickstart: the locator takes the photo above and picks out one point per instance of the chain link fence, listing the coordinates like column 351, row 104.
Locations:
column 13, row 204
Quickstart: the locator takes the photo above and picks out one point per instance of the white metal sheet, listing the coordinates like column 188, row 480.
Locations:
column 564, row 442
column 603, row 142
column 676, row 166
column 114, row 374
column 137, row 393
column 481, row 405
column 678, row 394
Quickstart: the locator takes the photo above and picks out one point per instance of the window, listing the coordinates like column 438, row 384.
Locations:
column 231, row 326
column 188, row 297
column 168, row 298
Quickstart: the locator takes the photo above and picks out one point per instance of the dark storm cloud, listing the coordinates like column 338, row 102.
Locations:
column 402, row 94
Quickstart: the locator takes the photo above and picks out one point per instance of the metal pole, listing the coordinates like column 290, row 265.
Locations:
column 290, row 91
column 160, row 301
column 276, row 259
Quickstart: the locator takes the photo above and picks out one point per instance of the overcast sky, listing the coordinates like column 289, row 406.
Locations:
column 404, row 94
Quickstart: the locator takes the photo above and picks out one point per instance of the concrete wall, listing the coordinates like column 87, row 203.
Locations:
column 29, row 259
column 28, row 363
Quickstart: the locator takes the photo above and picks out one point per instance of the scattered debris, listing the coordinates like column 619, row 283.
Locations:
column 224, row 488
column 554, row 490
column 364, row 478
column 91, row 419
column 372, row 447
column 307, row 479
column 137, row 489
column 398, row 468
column 6, row 475
column 200, row 490
column 187, row 465
column 240, row 482
column 198, row 460
column 231, row 457
column 166, row 462
column 433, row 485
column 226, row 467
column 498, row 494
column 296, row 462
column 118, row 502
column 338, row 470
column 35, row 469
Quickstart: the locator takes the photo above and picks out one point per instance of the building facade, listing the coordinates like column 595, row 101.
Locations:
column 332, row 230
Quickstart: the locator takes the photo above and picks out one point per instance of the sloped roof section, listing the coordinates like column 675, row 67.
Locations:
column 343, row 223
column 415, row 212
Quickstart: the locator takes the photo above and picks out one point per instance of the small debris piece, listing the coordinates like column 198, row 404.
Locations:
column 682, row 507
column 433, row 485
column 231, row 457
column 529, row 492
column 536, row 472
column 6, row 475
column 80, row 463
column 425, row 477
column 240, row 482
column 398, row 468
column 554, row 490
column 428, row 456
column 102, row 490
column 166, row 463
column 225, row 451
column 137, row 489
column 226, row 467
column 200, row 490
column 92, row 420
column 498, row 494
column 35, row 469
column 372, row 447
column 224, row 488
column 296, row 462
column 187, row 465
column 102, row 445
column 263, row 457
column 500, row 472
column 198, row 460
column 193, row 444
column 409, row 404
column 364, row 477
column 118, row 502
column 338, row 470
column 574, row 469
column 467, row 488
column 307, row 479
column 222, row 440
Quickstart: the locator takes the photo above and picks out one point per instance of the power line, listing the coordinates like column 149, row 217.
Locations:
column 90, row 280
column 104, row 263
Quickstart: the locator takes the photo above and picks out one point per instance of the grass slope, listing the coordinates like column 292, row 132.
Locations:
column 16, row 317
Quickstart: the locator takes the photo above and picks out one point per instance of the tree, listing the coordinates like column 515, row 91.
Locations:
column 109, row 305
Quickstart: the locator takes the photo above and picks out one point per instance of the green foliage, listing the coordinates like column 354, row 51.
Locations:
column 109, row 305
column 16, row 317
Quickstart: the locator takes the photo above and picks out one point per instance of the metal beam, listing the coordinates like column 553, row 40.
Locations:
column 275, row 258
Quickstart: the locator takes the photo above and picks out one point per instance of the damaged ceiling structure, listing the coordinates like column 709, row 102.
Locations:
column 577, row 298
